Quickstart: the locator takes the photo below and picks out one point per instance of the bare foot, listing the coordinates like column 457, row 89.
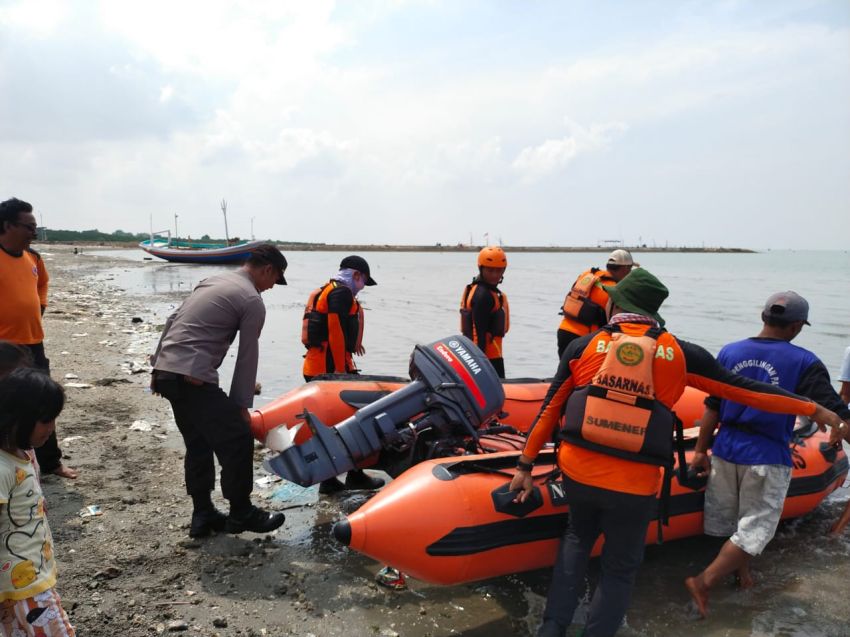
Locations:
column 744, row 578
column 699, row 594
column 842, row 522
column 65, row 472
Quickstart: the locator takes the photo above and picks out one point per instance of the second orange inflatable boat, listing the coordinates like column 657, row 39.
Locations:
column 451, row 520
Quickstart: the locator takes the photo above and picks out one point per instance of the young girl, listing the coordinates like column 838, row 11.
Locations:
column 30, row 401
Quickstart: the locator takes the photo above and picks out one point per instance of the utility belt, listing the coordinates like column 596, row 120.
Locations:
column 159, row 375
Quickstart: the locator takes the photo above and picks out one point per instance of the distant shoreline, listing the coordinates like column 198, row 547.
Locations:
column 342, row 247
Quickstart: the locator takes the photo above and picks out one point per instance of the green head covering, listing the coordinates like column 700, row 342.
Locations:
column 639, row 292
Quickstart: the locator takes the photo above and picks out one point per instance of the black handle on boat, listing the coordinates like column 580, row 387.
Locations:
column 503, row 501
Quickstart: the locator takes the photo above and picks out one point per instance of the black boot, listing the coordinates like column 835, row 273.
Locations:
column 357, row 479
column 253, row 519
column 205, row 521
column 331, row 486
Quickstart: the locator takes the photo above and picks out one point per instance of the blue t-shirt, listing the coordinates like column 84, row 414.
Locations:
column 762, row 437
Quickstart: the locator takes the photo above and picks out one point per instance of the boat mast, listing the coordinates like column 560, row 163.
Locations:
column 224, row 211
column 176, row 234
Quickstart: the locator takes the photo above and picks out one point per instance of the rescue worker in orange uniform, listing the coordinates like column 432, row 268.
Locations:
column 332, row 332
column 616, row 388
column 585, row 307
column 484, row 311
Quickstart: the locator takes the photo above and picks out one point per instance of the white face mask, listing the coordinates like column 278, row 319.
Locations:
column 358, row 282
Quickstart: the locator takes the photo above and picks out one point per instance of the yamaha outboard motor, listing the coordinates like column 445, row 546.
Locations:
column 453, row 384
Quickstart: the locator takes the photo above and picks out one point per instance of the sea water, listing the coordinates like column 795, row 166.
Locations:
column 801, row 580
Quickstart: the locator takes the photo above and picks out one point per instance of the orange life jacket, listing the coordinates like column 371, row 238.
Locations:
column 315, row 336
column 584, row 307
column 617, row 413
column 499, row 323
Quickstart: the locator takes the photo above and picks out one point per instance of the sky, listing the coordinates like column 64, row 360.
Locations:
column 666, row 123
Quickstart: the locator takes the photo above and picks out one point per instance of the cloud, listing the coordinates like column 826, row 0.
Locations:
column 373, row 108
column 536, row 162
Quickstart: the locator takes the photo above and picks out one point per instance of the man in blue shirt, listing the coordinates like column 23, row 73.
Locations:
column 750, row 466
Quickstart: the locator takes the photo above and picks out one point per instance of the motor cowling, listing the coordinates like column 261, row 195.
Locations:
column 453, row 384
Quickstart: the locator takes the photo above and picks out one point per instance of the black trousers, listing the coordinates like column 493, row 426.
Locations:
column 499, row 365
column 211, row 424
column 564, row 339
column 49, row 455
column 623, row 519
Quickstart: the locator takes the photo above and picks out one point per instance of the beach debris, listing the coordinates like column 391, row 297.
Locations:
column 65, row 441
column 71, row 376
column 110, row 572
column 295, row 495
column 107, row 382
column 92, row 510
column 136, row 319
column 267, row 480
column 64, row 353
column 141, row 425
column 282, row 438
column 79, row 385
column 219, row 622
column 391, row 578
column 80, row 335
column 136, row 367
column 177, row 626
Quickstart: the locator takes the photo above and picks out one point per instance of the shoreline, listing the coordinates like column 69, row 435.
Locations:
column 343, row 247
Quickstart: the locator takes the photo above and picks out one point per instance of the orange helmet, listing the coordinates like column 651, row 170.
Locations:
column 492, row 257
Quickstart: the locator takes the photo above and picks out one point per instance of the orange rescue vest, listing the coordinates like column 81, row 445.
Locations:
column 578, row 304
column 617, row 413
column 314, row 326
column 499, row 324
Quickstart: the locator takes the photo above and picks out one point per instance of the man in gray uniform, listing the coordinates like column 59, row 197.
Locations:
column 193, row 344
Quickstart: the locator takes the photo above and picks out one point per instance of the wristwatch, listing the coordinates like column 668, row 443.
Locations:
column 524, row 466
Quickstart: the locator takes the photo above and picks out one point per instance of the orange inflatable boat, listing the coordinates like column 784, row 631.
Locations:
column 451, row 520
column 334, row 398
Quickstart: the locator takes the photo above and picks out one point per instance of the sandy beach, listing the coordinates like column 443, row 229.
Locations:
column 132, row 570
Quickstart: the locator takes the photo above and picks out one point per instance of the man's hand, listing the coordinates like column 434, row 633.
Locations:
column 246, row 415
column 701, row 463
column 838, row 433
column 523, row 483
column 824, row 416
column 360, row 351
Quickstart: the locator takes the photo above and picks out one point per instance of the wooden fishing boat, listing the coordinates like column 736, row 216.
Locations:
column 177, row 251
column 193, row 252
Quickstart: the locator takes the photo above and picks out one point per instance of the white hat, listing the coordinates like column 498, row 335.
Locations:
column 621, row 257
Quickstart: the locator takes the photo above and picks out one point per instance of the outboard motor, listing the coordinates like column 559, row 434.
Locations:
column 453, row 384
